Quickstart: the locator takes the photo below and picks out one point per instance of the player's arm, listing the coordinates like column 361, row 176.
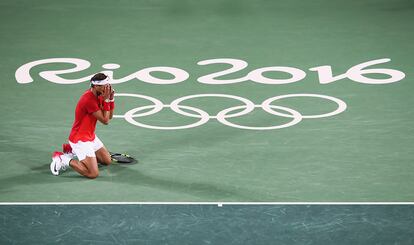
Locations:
column 104, row 115
column 111, row 102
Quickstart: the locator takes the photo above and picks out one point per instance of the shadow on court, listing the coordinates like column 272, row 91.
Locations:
column 115, row 174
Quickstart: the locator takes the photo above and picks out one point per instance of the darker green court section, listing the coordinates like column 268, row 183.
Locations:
column 206, row 224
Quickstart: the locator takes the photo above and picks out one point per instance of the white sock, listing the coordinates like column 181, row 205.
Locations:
column 66, row 160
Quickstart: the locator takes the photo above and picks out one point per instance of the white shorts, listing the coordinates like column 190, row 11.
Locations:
column 86, row 149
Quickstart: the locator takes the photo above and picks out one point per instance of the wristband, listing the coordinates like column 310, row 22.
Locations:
column 112, row 105
column 106, row 106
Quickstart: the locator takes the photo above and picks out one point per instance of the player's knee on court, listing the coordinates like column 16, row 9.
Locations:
column 109, row 162
column 103, row 156
column 92, row 175
column 91, row 165
column 106, row 159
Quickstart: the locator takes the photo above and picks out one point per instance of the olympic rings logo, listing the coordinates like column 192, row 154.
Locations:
column 224, row 115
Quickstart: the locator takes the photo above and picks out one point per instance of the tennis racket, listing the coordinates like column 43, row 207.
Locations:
column 122, row 158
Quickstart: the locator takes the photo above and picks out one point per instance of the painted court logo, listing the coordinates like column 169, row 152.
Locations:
column 224, row 115
column 357, row 73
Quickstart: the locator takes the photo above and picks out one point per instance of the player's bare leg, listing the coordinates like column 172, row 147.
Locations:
column 103, row 156
column 88, row 167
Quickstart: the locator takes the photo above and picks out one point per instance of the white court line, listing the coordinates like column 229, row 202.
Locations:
column 202, row 203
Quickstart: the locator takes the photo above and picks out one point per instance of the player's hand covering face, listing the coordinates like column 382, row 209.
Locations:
column 106, row 91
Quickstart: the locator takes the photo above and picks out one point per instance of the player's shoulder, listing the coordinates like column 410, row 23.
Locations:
column 86, row 96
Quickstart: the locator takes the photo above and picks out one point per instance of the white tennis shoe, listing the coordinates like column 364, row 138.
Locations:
column 59, row 162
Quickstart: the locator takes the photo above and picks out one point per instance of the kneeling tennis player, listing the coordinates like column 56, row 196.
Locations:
column 96, row 104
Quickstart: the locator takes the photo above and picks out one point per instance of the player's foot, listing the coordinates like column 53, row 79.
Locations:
column 59, row 162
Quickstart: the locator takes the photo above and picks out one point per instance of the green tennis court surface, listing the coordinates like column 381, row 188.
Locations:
column 317, row 106
column 361, row 154
column 181, row 224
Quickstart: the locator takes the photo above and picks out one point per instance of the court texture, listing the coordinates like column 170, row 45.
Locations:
column 253, row 122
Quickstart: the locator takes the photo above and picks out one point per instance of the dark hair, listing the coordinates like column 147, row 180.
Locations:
column 98, row 77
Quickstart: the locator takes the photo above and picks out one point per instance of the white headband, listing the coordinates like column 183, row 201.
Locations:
column 101, row 82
